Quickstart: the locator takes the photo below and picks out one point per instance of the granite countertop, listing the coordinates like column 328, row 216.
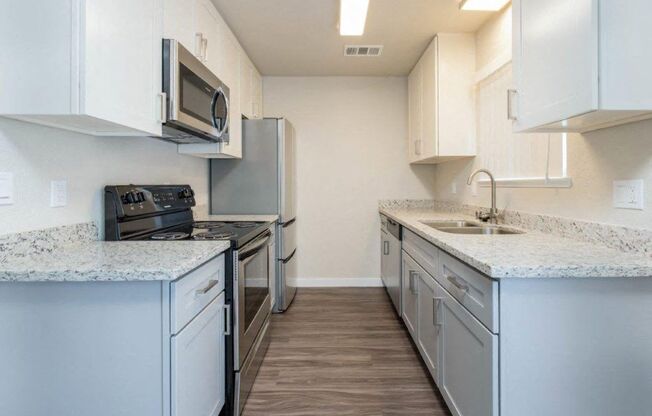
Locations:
column 530, row 255
column 109, row 261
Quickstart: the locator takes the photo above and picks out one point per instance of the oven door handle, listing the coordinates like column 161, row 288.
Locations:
column 254, row 247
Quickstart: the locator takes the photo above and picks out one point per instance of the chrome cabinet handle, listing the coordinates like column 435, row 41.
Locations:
column 227, row 325
column 386, row 248
column 204, row 48
column 461, row 287
column 211, row 284
column 413, row 286
column 163, row 110
column 199, row 45
column 510, row 107
column 435, row 310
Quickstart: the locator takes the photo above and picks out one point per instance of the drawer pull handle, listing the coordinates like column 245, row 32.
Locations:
column 211, row 284
column 461, row 287
column 386, row 248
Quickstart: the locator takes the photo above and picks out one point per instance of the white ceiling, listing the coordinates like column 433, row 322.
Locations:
column 300, row 37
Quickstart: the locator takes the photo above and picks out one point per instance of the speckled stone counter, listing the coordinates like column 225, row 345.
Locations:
column 73, row 254
column 530, row 255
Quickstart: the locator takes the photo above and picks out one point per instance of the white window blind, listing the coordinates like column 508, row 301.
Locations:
column 518, row 160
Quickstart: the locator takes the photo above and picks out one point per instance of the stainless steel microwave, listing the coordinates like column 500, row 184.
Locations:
column 197, row 102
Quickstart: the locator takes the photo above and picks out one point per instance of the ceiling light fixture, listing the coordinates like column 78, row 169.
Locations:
column 353, row 15
column 483, row 5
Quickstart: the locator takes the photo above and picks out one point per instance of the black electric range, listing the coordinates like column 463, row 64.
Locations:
column 164, row 213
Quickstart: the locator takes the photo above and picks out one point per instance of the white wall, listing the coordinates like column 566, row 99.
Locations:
column 351, row 146
column 36, row 155
column 595, row 160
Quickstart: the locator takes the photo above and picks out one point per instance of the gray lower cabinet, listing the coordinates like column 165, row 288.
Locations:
column 468, row 361
column 410, row 290
column 198, row 364
column 429, row 325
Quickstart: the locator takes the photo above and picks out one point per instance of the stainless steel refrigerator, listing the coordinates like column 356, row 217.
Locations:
column 263, row 182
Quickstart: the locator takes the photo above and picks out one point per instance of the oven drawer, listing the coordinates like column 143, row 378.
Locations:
column 193, row 292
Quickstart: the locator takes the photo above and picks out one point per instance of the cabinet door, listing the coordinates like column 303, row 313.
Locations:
column 257, row 94
column 230, row 75
column 415, row 83
column 555, row 54
column 121, row 65
column 430, row 298
column 246, row 92
column 179, row 24
column 429, row 102
column 468, row 362
column 198, row 364
column 207, row 45
column 410, row 284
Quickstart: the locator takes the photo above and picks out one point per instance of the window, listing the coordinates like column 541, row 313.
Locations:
column 517, row 160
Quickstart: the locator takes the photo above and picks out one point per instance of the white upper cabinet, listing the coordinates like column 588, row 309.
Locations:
column 441, row 101
column 89, row 65
column 580, row 65
column 251, row 89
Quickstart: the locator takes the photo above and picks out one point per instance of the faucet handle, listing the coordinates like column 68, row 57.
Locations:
column 483, row 216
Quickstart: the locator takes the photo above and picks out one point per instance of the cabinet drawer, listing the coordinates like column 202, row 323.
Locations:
column 190, row 294
column 425, row 253
column 476, row 292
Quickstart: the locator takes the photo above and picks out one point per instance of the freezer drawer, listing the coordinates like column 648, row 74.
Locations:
column 288, row 238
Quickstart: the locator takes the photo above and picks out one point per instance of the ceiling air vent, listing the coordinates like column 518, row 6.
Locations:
column 363, row 50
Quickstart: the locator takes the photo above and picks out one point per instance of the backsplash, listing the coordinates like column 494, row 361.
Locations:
column 32, row 242
column 628, row 240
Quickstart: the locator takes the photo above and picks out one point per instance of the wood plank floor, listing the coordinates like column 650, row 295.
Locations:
column 342, row 352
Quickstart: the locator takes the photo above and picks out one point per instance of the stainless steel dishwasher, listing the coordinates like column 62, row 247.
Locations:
column 390, row 259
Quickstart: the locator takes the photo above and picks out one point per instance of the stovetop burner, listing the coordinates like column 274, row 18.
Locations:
column 244, row 224
column 204, row 225
column 170, row 236
column 214, row 235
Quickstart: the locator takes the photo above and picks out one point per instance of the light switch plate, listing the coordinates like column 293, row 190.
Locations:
column 474, row 188
column 6, row 188
column 629, row 194
column 58, row 193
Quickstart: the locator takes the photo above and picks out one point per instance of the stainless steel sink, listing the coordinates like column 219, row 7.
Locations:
column 478, row 230
column 450, row 224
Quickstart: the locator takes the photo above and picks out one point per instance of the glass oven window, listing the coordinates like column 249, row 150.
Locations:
column 256, row 283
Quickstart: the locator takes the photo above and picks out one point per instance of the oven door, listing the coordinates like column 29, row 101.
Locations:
column 198, row 102
column 253, row 292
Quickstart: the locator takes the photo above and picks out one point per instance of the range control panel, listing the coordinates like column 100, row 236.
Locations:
column 135, row 200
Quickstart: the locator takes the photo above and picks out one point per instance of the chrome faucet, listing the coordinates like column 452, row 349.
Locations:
column 492, row 216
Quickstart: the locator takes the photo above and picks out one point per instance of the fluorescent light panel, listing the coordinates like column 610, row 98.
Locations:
column 353, row 15
column 486, row 5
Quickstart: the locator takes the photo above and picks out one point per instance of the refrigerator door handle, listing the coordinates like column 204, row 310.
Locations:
column 288, row 223
column 287, row 260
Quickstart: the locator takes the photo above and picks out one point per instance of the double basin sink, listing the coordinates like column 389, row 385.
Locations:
column 468, row 227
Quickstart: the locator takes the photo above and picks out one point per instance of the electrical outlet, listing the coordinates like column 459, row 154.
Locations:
column 6, row 188
column 628, row 194
column 474, row 188
column 58, row 193
column 454, row 187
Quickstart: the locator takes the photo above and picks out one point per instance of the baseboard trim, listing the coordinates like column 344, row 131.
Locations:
column 338, row 282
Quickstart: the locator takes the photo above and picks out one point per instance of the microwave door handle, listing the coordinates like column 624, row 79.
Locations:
column 220, row 91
